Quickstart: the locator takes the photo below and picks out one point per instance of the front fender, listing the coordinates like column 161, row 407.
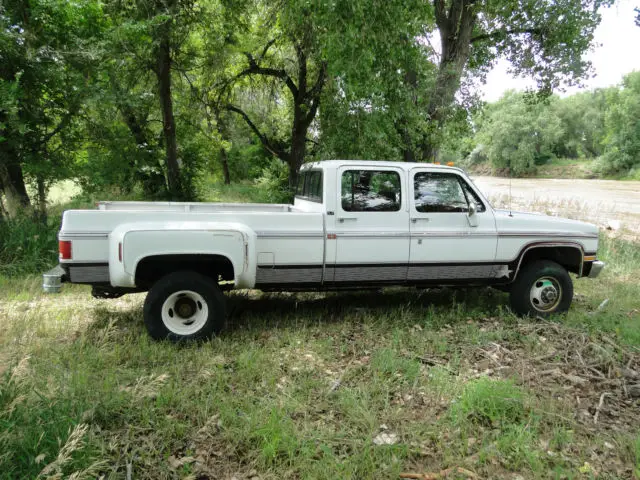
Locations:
column 129, row 243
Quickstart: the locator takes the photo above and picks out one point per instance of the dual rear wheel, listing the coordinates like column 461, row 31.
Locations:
column 184, row 306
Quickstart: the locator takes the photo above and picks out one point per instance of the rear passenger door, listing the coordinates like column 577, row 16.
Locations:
column 370, row 226
column 444, row 244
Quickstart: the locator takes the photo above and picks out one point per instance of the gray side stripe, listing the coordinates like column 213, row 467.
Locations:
column 289, row 275
column 452, row 272
column 83, row 235
column 385, row 273
column 457, row 233
column 376, row 273
column 365, row 234
column 548, row 234
column 452, row 234
column 361, row 234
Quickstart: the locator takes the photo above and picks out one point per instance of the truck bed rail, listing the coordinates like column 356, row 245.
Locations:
column 195, row 207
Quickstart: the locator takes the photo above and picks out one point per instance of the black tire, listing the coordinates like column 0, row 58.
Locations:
column 532, row 292
column 188, row 290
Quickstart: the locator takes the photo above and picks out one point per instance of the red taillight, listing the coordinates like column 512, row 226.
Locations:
column 64, row 247
column 120, row 251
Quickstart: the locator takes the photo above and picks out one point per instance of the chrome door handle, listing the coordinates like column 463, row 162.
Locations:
column 415, row 219
column 343, row 219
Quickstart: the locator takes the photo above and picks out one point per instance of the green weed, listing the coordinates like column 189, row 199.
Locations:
column 490, row 402
column 28, row 245
column 300, row 385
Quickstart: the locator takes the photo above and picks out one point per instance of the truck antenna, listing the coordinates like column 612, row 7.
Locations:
column 510, row 211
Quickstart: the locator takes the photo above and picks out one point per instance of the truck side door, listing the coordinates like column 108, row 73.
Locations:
column 370, row 226
column 444, row 244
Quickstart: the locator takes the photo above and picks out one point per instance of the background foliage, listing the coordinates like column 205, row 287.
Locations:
column 522, row 131
column 154, row 98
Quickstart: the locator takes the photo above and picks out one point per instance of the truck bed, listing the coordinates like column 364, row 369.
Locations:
column 284, row 234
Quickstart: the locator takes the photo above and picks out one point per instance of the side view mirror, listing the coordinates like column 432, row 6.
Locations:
column 471, row 215
column 472, row 209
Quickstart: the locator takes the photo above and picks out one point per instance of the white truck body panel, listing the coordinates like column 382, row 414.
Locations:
column 331, row 239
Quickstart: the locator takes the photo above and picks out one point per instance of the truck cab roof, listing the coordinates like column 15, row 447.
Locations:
column 336, row 163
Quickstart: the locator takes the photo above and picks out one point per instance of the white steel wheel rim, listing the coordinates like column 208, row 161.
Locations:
column 545, row 294
column 185, row 312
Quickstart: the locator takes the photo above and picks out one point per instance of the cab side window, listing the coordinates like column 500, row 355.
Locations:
column 310, row 186
column 438, row 192
column 371, row 191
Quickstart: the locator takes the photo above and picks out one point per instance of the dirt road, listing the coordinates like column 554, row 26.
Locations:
column 599, row 201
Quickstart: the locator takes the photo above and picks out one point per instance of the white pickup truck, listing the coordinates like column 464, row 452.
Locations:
column 353, row 224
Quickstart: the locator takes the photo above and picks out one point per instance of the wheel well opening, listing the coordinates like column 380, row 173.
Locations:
column 567, row 256
column 151, row 269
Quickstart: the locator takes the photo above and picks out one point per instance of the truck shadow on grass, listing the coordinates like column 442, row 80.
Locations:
column 338, row 305
column 263, row 311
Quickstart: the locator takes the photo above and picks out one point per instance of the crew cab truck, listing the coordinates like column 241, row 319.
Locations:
column 353, row 224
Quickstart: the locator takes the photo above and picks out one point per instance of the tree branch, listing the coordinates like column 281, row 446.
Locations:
column 505, row 33
column 278, row 152
column 314, row 94
column 456, row 10
column 255, row 69
column 317, row 87
column 302, row 68
column 63, row 123
column 266, row 48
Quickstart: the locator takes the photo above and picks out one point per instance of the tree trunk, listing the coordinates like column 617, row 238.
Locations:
column 3, row 211
column 408, row 153
column 42, row 199
column 152, row 183
column 225, row 166
column 15, row 190
column 455, row 29
column 163, row 72
column 222, row 131
column 298, row 145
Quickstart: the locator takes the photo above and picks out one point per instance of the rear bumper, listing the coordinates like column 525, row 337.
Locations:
column 596, row 268
column 53, row 279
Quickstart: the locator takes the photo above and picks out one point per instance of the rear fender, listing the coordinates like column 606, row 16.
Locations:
column 130, row 243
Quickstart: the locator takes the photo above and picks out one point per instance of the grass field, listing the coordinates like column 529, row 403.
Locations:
column 351, row 385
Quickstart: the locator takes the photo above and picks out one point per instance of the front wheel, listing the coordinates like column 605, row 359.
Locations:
column 184, row 306
column 541, row 289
